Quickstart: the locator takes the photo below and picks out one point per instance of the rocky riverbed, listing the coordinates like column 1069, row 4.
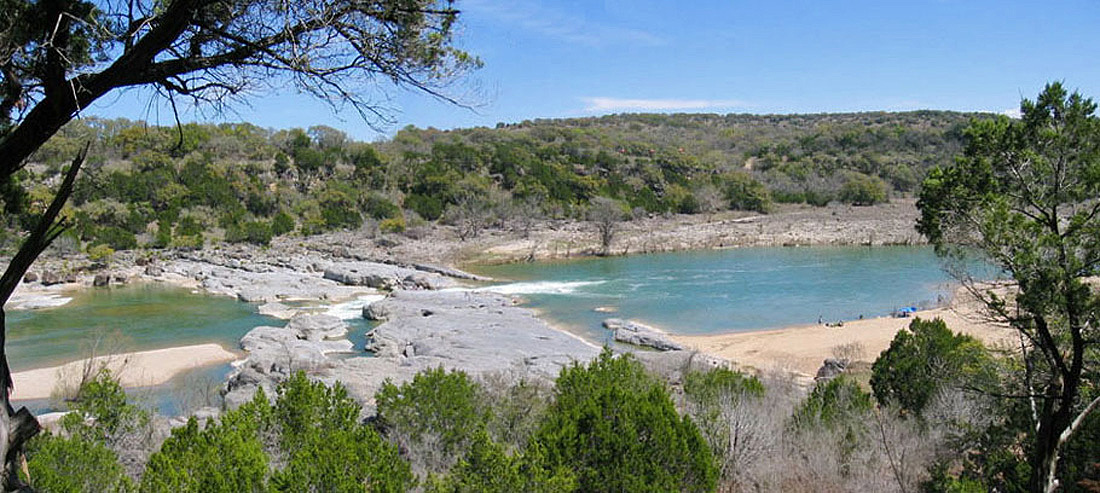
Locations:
column 428, row 319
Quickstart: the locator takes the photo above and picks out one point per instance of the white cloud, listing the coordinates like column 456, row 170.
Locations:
column 533, row 16
column 1012, row 113
column 599, row 105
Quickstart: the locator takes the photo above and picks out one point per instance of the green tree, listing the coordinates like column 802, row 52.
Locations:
column 327, row 447
column 438, row 412
column 220, row 457
column 838, row 402
column 1023, row 196
column 615, row 426
column 486, row 467
column 101, row 411
column 923, row 360
column 73, row 465
column 61, row 56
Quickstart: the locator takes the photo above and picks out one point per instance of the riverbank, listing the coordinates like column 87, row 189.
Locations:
column 137, row 369
column 328, row 268
column 802, row 349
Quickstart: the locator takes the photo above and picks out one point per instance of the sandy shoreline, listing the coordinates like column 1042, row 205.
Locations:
column 137, row 369
column 802, row 349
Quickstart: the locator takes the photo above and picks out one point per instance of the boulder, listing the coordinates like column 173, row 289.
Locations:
column 154, row 271
column 50, row 278
column 317, row 327
column 101, row 280
column 30, row 277
column 630, row 332
column 830, row 369
column 277, row 310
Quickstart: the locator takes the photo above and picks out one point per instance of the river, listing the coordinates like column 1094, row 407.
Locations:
column 685, row 292
column 728, row 290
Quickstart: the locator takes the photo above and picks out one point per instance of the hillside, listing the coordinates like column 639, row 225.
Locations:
column 157, row 186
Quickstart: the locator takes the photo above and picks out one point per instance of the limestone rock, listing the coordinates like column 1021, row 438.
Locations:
column 101, row 280
column 638, row 334
column 277, row 310
column 830, row 369
column 317, row 327
column 50, row 278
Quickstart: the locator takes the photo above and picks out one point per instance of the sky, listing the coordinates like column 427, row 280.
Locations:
column 575, row 58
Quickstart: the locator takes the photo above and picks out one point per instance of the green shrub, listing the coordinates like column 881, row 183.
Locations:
column 100, row 253
column 744, row 193
column 326, row 446
column 837, row 403
column 860, row 189
column 101, row 411
column 75, row 464
column 437, row 409
column 282, row 224
column 924, row 359
column 379, row 207
column 617, row 429
column 718, row 384
column 487, row 468
column 114, row 237
column 392, row 225
column 429, row 207
column 255, row 232
column 220, row 457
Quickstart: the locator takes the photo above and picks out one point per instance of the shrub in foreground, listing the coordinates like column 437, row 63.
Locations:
column 615, row 426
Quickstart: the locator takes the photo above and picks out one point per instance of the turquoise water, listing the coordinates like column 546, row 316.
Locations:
column 143, row 317
column 728, row 290
column 128, row 318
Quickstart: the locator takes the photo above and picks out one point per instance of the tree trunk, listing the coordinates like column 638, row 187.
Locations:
column 16, row 427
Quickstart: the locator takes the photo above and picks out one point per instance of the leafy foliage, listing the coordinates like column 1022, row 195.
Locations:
column 838, row 402
column 616, row 428
column 924, row 359
column 1023, row 196
column 437, row 410
column 487, row 468
column 860, row 189
column 75, row 464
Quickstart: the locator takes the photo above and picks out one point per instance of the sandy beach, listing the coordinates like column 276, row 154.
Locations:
column 802, row 349
column 138, row 369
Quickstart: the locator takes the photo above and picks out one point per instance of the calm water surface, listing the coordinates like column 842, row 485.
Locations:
column 686, row 292
column 142, row 317
column 728, row 290
column 128, row 318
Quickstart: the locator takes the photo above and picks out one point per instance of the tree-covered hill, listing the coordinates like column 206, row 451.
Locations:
column 162, row 186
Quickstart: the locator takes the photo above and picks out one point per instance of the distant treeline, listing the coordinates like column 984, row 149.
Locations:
column 164, row 186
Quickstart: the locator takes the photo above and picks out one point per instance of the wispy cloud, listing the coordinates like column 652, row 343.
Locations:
column 532, row 15
column 597, row 105
column 1013, row 113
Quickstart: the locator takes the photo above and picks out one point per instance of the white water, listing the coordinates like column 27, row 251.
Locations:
column 541, row 287
column 352, row 310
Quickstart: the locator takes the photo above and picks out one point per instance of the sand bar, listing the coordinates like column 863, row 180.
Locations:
column 802, row 349
column 138, row 369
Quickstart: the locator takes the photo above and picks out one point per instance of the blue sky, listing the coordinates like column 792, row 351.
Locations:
column 547, row 59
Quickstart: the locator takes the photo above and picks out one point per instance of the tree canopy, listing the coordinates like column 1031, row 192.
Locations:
column 1024, row 197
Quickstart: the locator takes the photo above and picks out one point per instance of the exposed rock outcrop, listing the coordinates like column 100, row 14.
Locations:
column 631, row 332
column 274, row 353
column 384, row 276
column 830, row 369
